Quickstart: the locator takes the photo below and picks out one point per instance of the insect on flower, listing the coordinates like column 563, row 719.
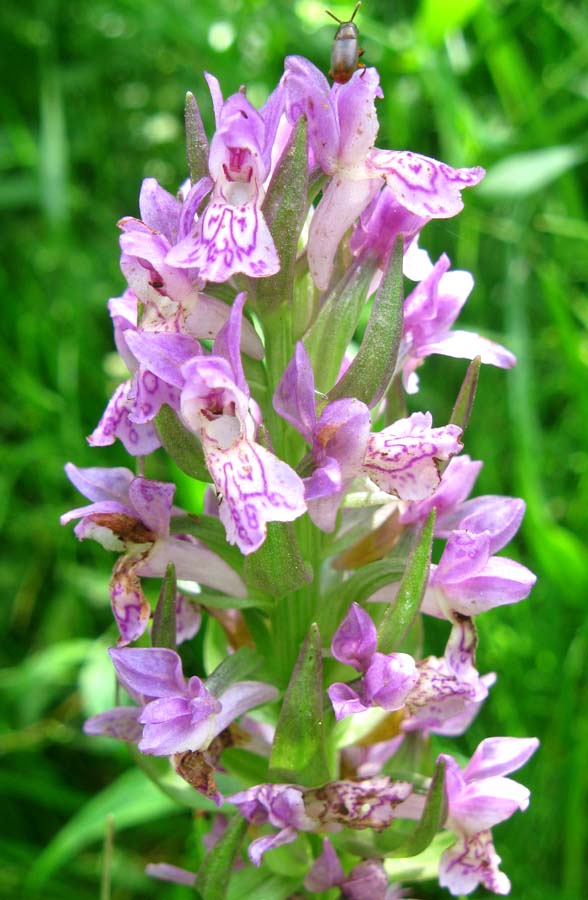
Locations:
column 346, row 50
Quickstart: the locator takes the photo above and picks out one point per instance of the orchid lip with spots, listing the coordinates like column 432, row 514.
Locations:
column 323, row 515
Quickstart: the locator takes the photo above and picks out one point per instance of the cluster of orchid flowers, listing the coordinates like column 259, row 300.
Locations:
column 237, row 327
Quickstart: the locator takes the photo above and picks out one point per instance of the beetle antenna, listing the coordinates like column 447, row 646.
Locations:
column 333, row 16
column 357, row 5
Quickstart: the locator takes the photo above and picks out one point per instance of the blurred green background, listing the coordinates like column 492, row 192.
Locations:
column 92, row 102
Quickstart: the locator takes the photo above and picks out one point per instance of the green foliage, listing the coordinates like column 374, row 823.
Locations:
column 215, row 872
column 298, row 752
column 92, row 103
column 403, row 610
column 371, row 371
column 163, row 633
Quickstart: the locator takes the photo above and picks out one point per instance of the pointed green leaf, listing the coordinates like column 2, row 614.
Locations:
column 163, row 633
column 432, row 819
column 183, row 447
column 372, row 370
column 236, row 667
column 285, row 208
column 277, row 568
column 196, row 140
column 404, row 609
column 212, row 880
column 331, row 332
column 467, row 394
column 298, row 753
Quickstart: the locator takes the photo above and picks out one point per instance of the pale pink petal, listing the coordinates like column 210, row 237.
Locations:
column 482, row 804
column 98, row 483
column 467, row 345
column 229, row 239
column 342, row 202
column 501, row 582
column 423, row 185
column 401, row 459
column 193, row 561
column 346, row 702
column 261, row 845
column 239, row 698
column 255, row 488
column 499, row 756
column 149, row 671
column 205, row 316
column 472, row 861
column 466, row 553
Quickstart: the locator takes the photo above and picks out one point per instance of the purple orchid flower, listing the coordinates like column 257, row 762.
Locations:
column 366, row 881
column 436, row 695
column 253, row 486
column 175, row 314
column 379, row 226
column 370, row 803
column 342, row 129
column 172, row 298
column 457, row 482
column 133, row 515
column 232, row 235
column 154, row 358
column 469, row 580
column 429, row 312
column 176, row 715
column 479, row 797
column 401, row 459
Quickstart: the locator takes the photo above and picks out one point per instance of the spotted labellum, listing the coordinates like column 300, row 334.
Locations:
column 323, row 518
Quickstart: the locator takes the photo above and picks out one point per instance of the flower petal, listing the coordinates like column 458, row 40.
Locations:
column 346, row 702
column 389, row 679
column 425, row 186
column 99, row 483
column 401, row 459
column 354, row 642
column 228, row 239
column 256, row 488
column 194, row 561
column 149, row 671
column 499, row 756
column 239, row 698
column 138, row 440
column 120, row 723
column 472, row 861
column 326, row 871
column 294, row 398
column 341, row 203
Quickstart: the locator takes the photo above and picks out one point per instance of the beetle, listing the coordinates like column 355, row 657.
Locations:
column 346, row 50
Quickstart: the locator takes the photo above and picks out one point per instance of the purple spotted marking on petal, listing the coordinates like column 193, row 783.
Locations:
column 471, row 861
column 424, row 186
column 129, row 605
column 401, row 459
column 138, row 440
column 254, row 487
